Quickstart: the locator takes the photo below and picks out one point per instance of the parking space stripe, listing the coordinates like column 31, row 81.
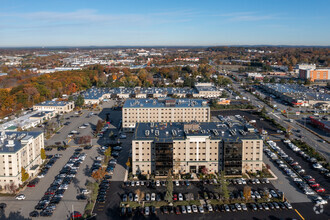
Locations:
column 299, row 214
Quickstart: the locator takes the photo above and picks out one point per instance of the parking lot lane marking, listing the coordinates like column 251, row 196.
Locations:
column 299, row 214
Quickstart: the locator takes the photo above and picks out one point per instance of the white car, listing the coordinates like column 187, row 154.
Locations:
column 64, row 186
column 238, row 206
column 157, row 183
column 321, row 202
column 180, row 197
column 194, row 208
column 153, row 196
column 188, row 208
column 85, row 191
column 20, row 197
column 317, row 166
column 41, row 176
column 177, row 183
column 82, row 127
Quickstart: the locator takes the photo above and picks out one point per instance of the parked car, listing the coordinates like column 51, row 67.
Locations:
column 20, row 197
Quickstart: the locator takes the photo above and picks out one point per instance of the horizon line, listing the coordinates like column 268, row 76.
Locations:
column 183, row 46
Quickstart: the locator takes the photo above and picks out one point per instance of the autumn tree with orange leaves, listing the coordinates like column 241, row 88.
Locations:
column 99, row 174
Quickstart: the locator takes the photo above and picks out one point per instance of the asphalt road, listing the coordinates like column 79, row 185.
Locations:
column 310, row 138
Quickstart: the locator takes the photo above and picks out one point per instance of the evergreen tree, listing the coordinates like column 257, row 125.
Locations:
column 169, row 188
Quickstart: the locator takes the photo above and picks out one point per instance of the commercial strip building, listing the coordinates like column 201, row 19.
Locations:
column 191, row 147
column 58, row 107
column 19, row 150
column 298, row 95
column 322, row 123
column 163, row 110
column 28, row 120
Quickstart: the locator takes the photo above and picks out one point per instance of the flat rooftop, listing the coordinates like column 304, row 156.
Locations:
column 298, row 91
column 165, row 103
column 13, row 141
column 53, row 103
column 168, row 132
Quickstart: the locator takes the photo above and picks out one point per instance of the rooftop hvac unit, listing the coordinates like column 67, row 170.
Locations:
column 215, row 131
column 147, row 133
column 21, row 136
column 174, row 133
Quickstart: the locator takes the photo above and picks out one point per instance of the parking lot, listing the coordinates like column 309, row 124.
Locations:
column 68, row 202
column 110, row 207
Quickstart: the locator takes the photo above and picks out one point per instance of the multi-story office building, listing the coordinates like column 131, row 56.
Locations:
column 314, row 74
column 165, row 110
column 189, row 147
column 56, row 106
column 17, row 150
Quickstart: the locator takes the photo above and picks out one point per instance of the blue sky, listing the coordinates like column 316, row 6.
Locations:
column 179, row 22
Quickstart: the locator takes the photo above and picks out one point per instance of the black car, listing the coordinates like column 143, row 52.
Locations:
column 100, row 200
column 123, row 211
column 81, row 197
column 46, row 213
column 34, row 214
column 40, row 206
column 222, row 208
column 165, row 210
column 282, row 206
column 153, row 209
column 55, row 200
column 78, row 150
column 3, row 205
column 87, row 147
column 129, row 211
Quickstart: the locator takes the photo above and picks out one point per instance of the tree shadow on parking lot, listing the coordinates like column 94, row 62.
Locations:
column 87, row 171
column 14, row 216
column 76, row 182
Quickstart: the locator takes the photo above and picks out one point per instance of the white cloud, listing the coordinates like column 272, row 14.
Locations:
column 247, row 16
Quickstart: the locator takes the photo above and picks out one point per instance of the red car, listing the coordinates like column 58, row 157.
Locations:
column 314, row 185
column 76, row 214
column 31, row 185
column 320, row 190
column 175, row 197
column 294, row 163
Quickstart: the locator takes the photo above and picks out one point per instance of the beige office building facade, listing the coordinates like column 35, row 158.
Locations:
column 59, row 107
column 194, row 148
column 17, row 150
column 163, row 110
